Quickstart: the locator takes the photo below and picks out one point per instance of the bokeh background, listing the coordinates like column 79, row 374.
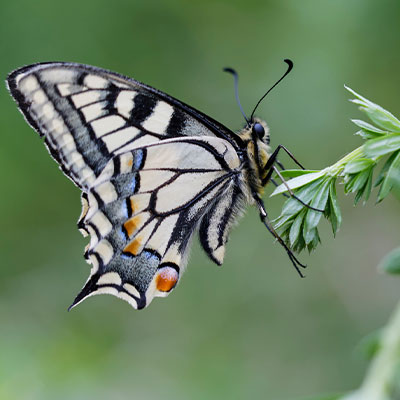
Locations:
column 251, row 329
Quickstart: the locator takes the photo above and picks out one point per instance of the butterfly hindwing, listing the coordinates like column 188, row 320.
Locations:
column 219, row 220
column 143, row 209
column 87, row 115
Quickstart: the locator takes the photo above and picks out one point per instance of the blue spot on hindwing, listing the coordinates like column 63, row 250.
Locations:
column 138, row 158
column 124, row 209
column 150, row 256
column 125, row 256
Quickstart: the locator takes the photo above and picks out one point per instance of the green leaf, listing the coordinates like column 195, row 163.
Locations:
column 391, row 262
column 360, row 180
column 356, row 182
column 309, row 235
column 299, row 245
column 368, row 186
column 336, row 215
column 298, row 182
column 282, row 221
column 358, row 196
column 319, row 201
column 292, row 173
column 384, row 170
column 290, row 207
column 392, row 178
column 305, row 194
column 364, row 185
column 383, row 118
column 368, row 127
column 295, row 228
column 314, row 241
column 381, row 146
column 358, row 165
column 366, row 135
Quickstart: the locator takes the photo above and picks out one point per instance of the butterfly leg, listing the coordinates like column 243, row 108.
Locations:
column 276, row 184
column 273, row 160
column 264, row 219
column 270, row 168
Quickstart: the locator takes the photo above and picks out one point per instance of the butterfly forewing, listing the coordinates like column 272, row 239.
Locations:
column 87, row 115
column 151, row 168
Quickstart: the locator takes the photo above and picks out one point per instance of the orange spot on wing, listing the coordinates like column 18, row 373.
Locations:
column 131, row 225
column 133, row 247
column 166, row 279
column 133, row 205
column 130, row 162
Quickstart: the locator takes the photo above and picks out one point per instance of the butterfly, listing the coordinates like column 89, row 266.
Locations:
column 153, row 171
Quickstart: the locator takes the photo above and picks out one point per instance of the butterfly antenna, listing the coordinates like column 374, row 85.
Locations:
column 236, row 77
column 290, row 66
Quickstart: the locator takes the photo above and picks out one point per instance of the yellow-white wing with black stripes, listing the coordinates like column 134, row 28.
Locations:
column 142, row 212
column 152, row 170
column 87, row 115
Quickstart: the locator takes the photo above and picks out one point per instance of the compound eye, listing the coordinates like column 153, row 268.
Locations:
column 258, row 129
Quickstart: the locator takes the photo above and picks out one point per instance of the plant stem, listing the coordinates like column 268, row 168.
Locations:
column 381, row 378
column 337, row 168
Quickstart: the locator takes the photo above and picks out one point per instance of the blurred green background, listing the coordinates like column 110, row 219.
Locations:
column 251, row 329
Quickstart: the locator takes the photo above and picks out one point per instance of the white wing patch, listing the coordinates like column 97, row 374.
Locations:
column 183, row 190
column 106, row 192
column 125, row 102
column 109, row 278
column 106, row 125
column 85, row 98
column 101, row 223
column 104, row 250
column 158, row 121
column 29, row 84
column 151, row 179
column 118, row 139
column 94, row 111
column 95, row 82
column 157, row 242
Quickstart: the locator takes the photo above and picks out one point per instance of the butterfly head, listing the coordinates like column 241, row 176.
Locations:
column 256, row 131
column 260, row 131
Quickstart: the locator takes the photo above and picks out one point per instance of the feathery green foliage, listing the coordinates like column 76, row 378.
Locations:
column 297, row 224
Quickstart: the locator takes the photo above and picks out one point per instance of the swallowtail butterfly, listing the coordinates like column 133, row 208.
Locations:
column 152, row 171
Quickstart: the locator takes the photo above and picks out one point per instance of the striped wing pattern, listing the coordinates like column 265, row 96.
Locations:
column 152, row 171
column 87, row 115
column 143, row 210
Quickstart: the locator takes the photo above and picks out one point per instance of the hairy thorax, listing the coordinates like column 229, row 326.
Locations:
column 258, row 152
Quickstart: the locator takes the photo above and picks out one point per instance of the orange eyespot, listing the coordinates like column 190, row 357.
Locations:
column 167, row 278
